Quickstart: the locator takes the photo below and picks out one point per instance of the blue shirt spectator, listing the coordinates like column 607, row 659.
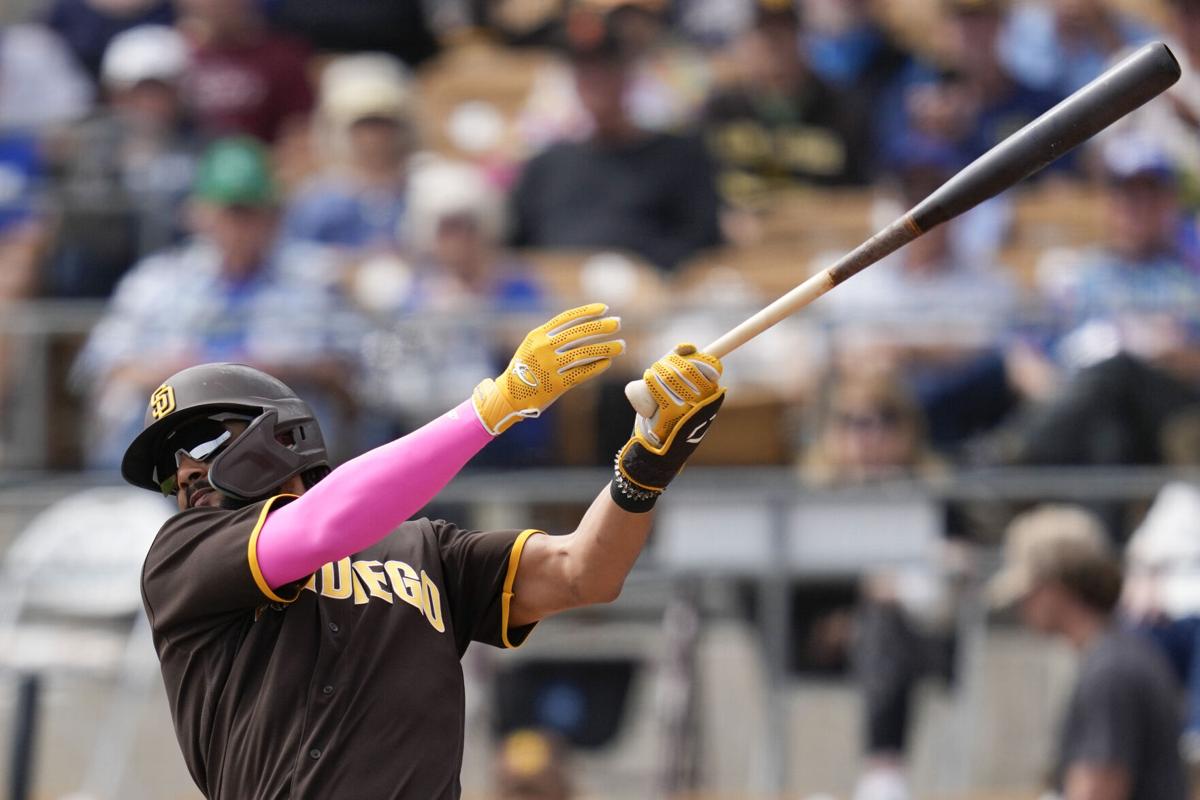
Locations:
column 334, row 211
column 126, row 170
column 1061, row 49
column 972, row 103
column 232, row 293
column 457, row 275
column 1140, row 292
column 367, row 134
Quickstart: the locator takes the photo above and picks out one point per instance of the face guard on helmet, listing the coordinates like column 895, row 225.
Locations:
column 189, row 415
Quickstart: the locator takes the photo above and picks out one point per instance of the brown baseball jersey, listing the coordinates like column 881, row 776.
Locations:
column 343, row 685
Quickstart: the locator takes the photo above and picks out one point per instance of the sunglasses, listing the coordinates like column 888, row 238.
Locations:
column 886, row 418
column 200, row 440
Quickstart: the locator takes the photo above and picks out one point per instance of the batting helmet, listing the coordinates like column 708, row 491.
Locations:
column 281, row 440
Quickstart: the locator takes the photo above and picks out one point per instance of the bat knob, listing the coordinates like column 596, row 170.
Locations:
column 639, row 397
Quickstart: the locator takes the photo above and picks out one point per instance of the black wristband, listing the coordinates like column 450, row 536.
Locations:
column 630, row 498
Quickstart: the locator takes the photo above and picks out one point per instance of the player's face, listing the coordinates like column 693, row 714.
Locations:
column 188, row 451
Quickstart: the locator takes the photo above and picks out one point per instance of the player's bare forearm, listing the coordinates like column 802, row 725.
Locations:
column 581, row 568
column 588, row 566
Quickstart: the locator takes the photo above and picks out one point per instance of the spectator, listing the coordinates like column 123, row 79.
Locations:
column 368, row 132
column 667, row 85
column 455, row 266
column 650, row 193
column 1162, row 591
column 457, row 270
column 671, row 79
column 1062, row 45
column 853, row 52
column 850, row 48
column 41, row 85
column 128, row 169
column 244, row 77
column 782, row 124
column 934, row 312
column 88, row 26
column 1147, row 269
column 455, row 229
column 530, row 765
column 870, row 430
column 1129, row 309
column 972, row 102
column 230, row 294
column 1120, row 734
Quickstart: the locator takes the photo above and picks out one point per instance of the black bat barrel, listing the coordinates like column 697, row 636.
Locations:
column 1119, row 90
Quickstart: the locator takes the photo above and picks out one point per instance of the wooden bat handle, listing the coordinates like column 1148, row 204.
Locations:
column 768, row 316
column 887, row 241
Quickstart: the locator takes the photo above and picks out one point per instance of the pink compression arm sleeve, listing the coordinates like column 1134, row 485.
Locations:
column 364, row 500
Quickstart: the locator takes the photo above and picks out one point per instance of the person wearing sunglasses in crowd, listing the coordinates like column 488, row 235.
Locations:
column 309, row 631
column 899, row 631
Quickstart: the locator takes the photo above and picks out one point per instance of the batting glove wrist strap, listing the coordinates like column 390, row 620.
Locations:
column 645, row 467
column 574, row 347
column 630, row 497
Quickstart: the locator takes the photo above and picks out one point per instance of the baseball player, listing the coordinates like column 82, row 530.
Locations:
column 309, row 632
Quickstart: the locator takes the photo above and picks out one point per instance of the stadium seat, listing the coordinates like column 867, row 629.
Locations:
column 71, row 606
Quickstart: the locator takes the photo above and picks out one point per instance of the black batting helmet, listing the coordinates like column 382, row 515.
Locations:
column 257, row 461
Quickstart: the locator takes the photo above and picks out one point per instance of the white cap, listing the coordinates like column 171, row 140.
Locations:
column 366, row 85
column 439, row 188
column 1167, row 546
column 144, row 53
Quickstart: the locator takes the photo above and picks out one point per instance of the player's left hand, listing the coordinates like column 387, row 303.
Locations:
column 574, row 347
column 686, row 390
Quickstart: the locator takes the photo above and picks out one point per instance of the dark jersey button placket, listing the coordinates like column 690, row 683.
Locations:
column 326, row 691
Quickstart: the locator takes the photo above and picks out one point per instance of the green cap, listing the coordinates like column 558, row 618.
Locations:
column 236, row 172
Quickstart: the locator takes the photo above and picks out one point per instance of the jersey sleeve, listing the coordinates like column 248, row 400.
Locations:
column 203, row 567
column 479, row 570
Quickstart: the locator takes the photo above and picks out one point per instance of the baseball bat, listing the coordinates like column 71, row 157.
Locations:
column 1119, row 90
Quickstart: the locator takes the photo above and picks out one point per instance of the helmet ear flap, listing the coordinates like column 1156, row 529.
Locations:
column 254, row 464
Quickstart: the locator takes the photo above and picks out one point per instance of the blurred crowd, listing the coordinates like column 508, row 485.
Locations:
column 270, row 182
column 363, row 199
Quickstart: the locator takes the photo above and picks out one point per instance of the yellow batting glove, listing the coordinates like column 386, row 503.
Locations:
column 574, row 347
column 678, row 382
column 685, row 388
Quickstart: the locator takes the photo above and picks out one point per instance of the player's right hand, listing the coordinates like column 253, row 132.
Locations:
column 687, row 392
column 574, row 347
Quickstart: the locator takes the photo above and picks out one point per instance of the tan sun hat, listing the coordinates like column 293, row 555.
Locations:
column 1051, row 542
column 366, row 85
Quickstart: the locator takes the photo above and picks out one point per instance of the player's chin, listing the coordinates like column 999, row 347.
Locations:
column 205, row 498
